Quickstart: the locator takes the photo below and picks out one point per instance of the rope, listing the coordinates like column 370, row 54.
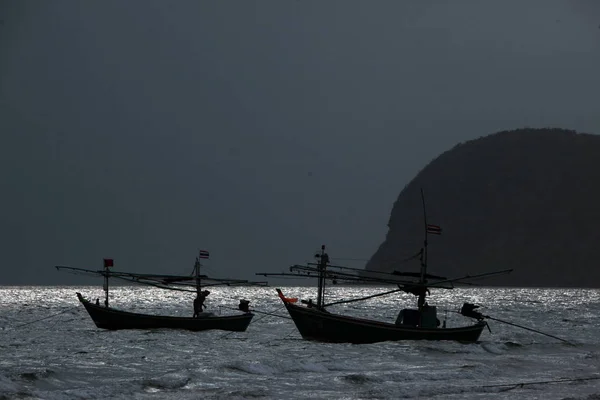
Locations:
column 289, row 333
column 271, row 314
column 42, row 319
column 254, row 320
column 266, row 314
column 260, row 312
column 528, row 329
column 518, row 326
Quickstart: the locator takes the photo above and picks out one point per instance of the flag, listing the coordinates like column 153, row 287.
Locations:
column 108, row 262
column 203, row 254
column 434, row 229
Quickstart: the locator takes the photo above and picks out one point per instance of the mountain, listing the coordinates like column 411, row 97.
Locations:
column 527, row 199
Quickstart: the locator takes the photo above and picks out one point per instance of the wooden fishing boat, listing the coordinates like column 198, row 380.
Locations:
column 113, row 319
column 107, row 317
column 315, row 322
column 323, row 326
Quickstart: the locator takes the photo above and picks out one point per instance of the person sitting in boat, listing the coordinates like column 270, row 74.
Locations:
column 244, row 306
column 199, row 303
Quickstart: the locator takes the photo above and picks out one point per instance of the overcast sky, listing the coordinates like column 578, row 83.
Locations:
column 147, row 130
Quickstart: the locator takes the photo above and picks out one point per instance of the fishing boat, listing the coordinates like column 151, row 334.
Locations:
column 107, row 317
column 315, row 322
column 113, row 319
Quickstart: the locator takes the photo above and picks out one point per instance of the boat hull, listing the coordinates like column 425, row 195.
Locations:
column 109, row 318
column 334, row 328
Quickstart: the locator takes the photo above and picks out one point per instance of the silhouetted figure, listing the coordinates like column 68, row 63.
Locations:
column 197, row 306
column 199, row 303
column 244, row 306
column 97, row 301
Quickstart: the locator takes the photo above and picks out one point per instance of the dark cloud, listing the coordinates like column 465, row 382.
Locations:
column 146, row 130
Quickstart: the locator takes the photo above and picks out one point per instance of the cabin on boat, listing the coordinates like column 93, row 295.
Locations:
column 426, row 318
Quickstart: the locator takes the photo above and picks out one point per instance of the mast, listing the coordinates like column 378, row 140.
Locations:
column 198, row 280
column 424, row 255
column 323, row 260
column 201, row 254
column 422, row 280
column 108, row 262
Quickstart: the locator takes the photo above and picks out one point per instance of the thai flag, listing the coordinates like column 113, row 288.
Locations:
column 203, row 254
column 434, row 229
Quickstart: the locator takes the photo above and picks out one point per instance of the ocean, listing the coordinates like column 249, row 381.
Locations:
column 50, row 348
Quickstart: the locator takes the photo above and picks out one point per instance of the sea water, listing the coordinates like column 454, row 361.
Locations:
column 50, row 348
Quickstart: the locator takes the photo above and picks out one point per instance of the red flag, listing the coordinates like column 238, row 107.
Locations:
column 204, row 254
column 108, row 262
column 434, row 229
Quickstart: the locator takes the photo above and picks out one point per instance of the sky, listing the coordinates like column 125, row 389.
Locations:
column 147, row 130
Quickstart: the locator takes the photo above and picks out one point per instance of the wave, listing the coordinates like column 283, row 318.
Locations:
column 359, row 379
column 169, row 381
column 254, row 368
column 36, row 375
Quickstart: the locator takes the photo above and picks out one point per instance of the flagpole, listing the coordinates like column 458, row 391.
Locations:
column 106, row 282
column 321, row 282
column 201, row 254
column 197, row 277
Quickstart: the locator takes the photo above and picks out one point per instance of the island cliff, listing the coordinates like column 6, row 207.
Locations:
column 527, row 199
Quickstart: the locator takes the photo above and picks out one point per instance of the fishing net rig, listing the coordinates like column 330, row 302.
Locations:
column 185, row 283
